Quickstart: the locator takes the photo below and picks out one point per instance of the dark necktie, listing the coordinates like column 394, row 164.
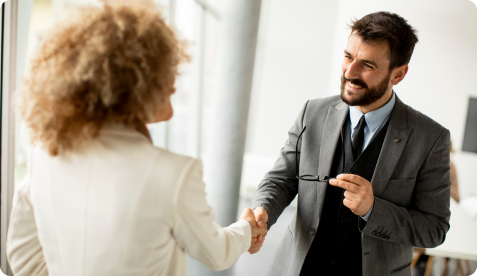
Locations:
column 359, row 138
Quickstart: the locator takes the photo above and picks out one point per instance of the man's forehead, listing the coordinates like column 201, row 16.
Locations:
column 374, row 50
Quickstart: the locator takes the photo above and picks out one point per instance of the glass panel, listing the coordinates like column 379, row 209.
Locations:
column 41, row 20
column 193, row 101
column 210, row 77
column 183, row 127
column 1, row 61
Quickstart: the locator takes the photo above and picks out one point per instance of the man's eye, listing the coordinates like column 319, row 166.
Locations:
column 368, row 66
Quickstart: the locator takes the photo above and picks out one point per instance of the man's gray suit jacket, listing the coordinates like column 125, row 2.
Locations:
column 411, row 186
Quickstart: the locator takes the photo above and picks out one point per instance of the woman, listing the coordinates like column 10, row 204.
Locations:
column 100, row 199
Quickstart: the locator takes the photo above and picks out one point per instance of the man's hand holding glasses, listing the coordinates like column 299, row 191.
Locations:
column 358, row 197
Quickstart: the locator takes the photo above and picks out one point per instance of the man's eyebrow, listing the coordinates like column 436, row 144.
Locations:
column 363, row 60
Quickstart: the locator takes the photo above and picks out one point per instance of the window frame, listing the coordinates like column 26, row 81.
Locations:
column 8, row 85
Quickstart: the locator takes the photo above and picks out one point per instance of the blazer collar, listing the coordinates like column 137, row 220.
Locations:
column 337, row 113
column 122, row 129
column 397, row 136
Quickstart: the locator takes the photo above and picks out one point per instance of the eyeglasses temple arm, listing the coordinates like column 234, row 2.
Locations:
column 296, row 150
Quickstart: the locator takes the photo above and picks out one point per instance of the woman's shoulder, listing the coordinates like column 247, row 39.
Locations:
column 175, row 165
column 174, row 159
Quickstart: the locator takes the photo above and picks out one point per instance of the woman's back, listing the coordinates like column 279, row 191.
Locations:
column 100, row 198
column 120, row 206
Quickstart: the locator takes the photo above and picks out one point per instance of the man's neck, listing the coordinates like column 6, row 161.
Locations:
column 377, row 104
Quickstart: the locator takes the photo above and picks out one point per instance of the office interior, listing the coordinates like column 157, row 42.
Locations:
column 294, row 51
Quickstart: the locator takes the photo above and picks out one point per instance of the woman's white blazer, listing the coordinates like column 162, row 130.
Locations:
column 117, row 206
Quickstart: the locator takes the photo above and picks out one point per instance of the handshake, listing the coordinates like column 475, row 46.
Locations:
column 258, row 219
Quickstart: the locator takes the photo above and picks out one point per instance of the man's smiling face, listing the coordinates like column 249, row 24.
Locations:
column 366, row 75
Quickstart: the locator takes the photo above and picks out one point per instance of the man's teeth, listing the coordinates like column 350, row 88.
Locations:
column 354, row 85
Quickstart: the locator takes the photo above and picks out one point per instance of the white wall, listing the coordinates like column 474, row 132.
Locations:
column 300, row 55
column 292, row 66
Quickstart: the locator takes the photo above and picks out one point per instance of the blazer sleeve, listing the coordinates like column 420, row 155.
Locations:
column 24, row 251
column 280, row 186
column 194, row 227
column 426, row 221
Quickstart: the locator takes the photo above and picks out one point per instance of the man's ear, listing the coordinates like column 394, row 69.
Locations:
column 399, row 74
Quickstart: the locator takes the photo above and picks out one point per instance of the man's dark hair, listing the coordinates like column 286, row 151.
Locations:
column 390, row 27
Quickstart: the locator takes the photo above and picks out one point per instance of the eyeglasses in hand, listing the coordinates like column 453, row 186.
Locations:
column 309, row 177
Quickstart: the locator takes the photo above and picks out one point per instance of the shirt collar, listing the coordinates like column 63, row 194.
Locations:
column 374, row 118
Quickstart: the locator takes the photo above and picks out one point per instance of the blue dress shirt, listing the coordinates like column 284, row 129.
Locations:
column 375, row 120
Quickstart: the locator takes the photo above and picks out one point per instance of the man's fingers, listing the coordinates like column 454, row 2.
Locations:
column 352, row 187
column 353, row 178
column 248, row 215
column 261, row 216
column 348, row 203
column 255, row 247
column 259, row 234
column 359, row 196
column 262, row 231
column 354, row 197
column 348, row 195
column 253, row 250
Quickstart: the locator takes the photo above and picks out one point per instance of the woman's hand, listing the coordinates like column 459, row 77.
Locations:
column 257, row 232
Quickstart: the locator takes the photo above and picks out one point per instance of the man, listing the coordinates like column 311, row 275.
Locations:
column 388, row 164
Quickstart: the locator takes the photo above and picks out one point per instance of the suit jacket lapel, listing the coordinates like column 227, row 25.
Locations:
column 396, row 139
column 331, row 135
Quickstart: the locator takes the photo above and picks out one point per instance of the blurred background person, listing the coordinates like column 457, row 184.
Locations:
column 454, row 180
column 99, row 198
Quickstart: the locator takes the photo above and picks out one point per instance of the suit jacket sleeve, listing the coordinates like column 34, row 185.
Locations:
column 426, row 221
column 24, row 251
column 280, row 186
column 194, row 227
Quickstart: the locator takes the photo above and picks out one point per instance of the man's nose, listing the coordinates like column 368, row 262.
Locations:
column 353, row 71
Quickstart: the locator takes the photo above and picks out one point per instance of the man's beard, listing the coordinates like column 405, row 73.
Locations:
column 369, row 96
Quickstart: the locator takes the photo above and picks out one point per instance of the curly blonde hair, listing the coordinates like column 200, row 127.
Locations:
column 110, row 64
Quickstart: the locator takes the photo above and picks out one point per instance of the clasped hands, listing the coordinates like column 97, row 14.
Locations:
column 258, row 225
column 359, row 198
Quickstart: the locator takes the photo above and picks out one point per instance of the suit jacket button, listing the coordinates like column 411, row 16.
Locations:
column 333, row 262
column 312, row 231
